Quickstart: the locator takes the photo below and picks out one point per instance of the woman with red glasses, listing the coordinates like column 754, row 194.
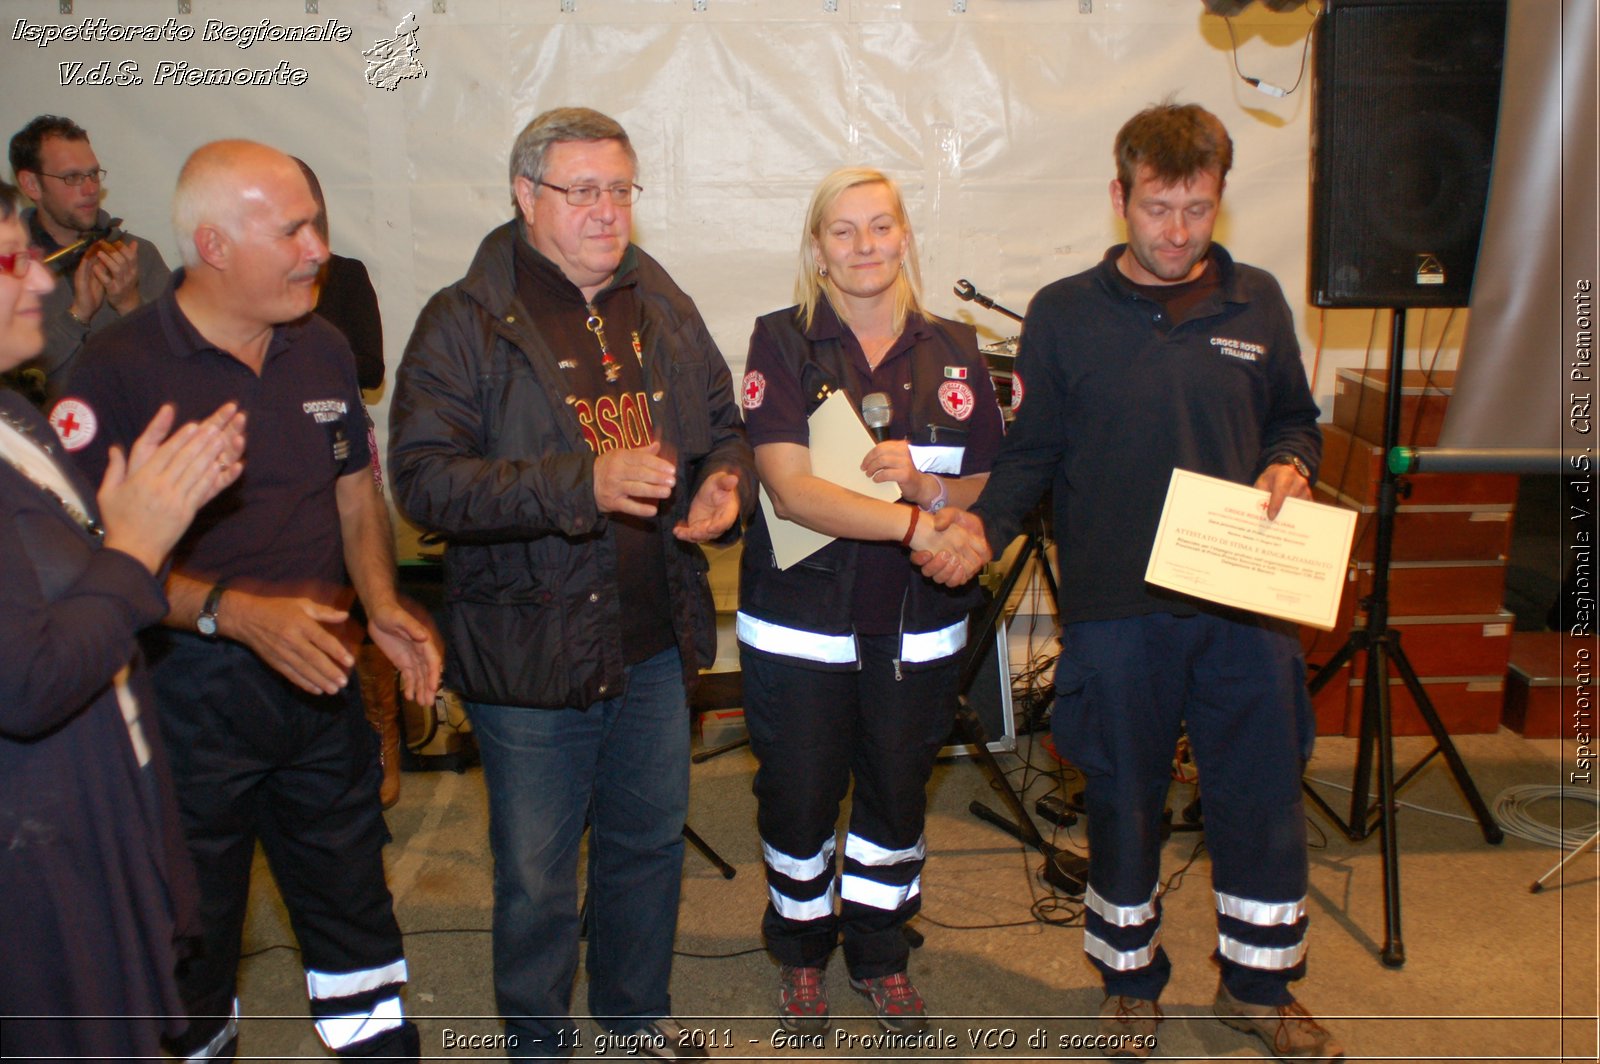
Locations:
column 93, row 871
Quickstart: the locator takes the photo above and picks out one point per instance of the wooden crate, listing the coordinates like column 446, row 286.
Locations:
column 1416, row 589
column 1467, row 705
column 1475, row 648
column 1353, row 467
column 1360, row 400
column 1432, row 533
column 1542, row 681
column 1420, row 589
column 1332, row 703
column 1472, row 645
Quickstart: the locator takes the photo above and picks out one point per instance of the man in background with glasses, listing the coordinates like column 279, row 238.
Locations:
column 110, row 274
column 564, row 422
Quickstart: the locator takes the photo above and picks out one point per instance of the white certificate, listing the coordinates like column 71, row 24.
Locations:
column 1215, row 543
column 838, row 443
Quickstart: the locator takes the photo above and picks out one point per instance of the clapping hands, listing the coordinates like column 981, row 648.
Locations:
column 148, row 497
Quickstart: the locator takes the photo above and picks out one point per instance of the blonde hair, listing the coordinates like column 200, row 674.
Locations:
column 809, row 286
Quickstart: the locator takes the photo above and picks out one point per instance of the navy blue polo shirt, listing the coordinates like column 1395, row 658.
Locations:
column 277, row 527
column 779, row 416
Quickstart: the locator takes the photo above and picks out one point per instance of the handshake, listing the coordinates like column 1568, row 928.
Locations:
column 950, row 547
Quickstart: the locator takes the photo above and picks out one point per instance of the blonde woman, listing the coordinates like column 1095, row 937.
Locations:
column 850, row 657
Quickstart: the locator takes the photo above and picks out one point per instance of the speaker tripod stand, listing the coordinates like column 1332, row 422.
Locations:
column 1381, row 644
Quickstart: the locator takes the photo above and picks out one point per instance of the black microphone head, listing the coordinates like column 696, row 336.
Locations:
column 877, row 411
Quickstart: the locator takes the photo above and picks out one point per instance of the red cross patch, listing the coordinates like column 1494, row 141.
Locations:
column 754, row 390
column 75, row 423
column 957, row 399
column 1016, row 391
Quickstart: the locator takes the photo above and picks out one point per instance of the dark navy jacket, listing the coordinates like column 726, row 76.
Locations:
column 1112, row 402
column 814, row 596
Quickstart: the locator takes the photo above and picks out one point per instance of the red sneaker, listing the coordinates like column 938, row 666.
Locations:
column 802, row 1000
column 899, row 1006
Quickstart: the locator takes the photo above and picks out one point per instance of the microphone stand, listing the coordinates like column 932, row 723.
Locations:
column 965, row 291
column 1066, row 871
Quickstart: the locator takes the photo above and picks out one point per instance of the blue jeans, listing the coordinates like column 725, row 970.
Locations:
column 621, row 768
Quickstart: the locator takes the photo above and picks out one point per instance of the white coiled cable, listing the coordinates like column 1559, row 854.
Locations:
column 1512, row 808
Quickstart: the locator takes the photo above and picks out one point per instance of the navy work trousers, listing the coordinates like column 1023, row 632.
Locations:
column 813, row 731
column 1124, row 689
column 254, row 758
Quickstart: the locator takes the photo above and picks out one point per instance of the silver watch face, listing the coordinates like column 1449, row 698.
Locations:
column 207, row 624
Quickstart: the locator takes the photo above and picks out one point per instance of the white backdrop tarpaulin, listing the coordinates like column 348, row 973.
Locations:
column 999, row 122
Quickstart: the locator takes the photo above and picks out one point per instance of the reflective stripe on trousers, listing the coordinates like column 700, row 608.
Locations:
column 229, row 1032
column 341, row 1032
column 915, row 647
column 801, row 869
column 1121, row 960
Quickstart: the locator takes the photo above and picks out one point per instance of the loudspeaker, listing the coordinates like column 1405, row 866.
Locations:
column 1407, row 96
column 990, row 698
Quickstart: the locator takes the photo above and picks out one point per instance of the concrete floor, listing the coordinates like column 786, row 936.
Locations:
column 1492, row 972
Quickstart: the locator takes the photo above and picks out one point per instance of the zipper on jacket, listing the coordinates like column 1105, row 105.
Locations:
column 901, row 638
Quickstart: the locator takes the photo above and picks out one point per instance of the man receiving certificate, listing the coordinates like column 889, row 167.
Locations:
column 1166, row 356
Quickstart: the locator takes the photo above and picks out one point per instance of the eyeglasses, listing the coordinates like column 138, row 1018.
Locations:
column 17, row 263
column 589, row 195
column 76, row 178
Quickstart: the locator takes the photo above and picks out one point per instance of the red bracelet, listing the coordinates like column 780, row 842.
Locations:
column 911, row 529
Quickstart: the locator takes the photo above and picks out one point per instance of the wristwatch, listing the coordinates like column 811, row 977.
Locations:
column 206, row 623
column 1293, row 460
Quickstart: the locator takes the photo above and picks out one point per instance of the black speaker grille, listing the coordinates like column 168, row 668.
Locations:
column 1407, row 97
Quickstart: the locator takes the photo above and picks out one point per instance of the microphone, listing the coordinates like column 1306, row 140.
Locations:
column 876, row 411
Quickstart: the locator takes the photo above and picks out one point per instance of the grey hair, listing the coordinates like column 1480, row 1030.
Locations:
column 560, row 124
column 200, row 199
column 208, row 192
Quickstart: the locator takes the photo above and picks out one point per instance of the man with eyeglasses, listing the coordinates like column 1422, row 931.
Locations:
column 563, row 420
column 57, row 169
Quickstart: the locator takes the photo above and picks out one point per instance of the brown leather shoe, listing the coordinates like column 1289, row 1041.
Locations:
column 1129, row 1025
column 1289, row 1031
column 380, row 692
